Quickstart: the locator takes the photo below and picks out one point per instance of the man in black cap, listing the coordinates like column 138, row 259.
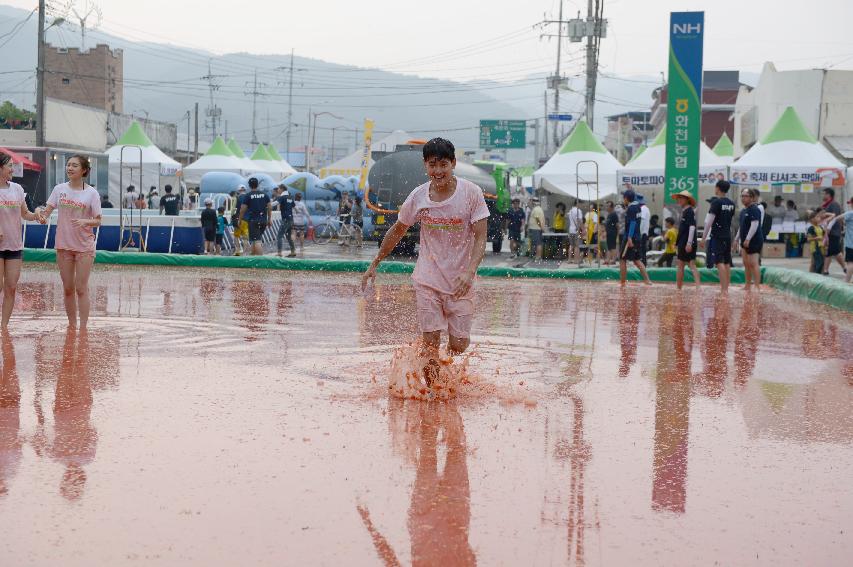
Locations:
column 631, row 239
column 718, row 233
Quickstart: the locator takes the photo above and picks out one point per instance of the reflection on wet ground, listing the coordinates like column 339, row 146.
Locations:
column 239, row 417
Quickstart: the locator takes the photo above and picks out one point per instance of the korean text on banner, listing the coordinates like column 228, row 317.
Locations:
column 365, row 154
column 684, row 102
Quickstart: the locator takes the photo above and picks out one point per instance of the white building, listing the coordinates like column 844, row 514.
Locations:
column 822, row 98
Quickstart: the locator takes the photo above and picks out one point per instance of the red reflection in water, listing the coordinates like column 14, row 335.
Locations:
column 628, row 312
column 712, row 380
column 10, row 418
column 746, row 340
column 251, row 307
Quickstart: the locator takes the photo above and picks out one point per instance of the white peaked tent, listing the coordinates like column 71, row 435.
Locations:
column 646, row 173
column 567, row 174
column 287, row 169
column 725, row 149
column 248, row 165
column 158, row 169
column 790, row 159
column 265, row 164
column 217, row 158
column 351, row 165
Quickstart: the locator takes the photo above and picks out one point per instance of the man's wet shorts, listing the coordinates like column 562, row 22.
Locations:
column 442, row 312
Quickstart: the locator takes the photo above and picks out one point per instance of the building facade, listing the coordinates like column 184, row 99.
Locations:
column 91, row 78
column 626, row 132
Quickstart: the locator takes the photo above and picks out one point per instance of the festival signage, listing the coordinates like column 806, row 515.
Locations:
column 503, row 134
column 684, row 102
column 365, row 153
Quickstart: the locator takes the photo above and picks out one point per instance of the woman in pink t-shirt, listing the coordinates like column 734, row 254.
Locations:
column 13, row 208
column 79, row 212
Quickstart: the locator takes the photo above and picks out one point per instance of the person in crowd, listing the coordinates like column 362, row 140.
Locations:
column 208, row 226
column 645, row 222
column 256, row 209
column 285, row 230
column 814, row 236
column 105, row 202
column 750, row 237
column 687, row 242
column 170, row 204
column 153, row 199
column 558, row 223
column 670, row 238
column 655, row 230
column 631, row 239
column 452, row 212
column 514, row 223
column 766, row 220
column 791, row 214
column 718, row 233
column 846, row 219
column 833, row 237
column 611, row 227
column 357, row 213
column 241, row 227
column 141, row 203
column 221, row 223
column 301, row 221
column 575, row 234
column 191, row 203
column 13, row 198
column 79, row 212
column 130, row 198
column 344, row 208
column 535, row 228
column 591, row 231
column 777, row 211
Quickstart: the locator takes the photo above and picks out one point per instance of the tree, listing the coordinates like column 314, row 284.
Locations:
column 12, row 117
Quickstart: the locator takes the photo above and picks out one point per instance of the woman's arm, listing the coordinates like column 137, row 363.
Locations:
column 26, row 214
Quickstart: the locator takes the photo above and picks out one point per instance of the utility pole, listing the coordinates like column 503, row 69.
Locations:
column 591, row 63
column 356, row 139
column 545, row 150
column 289, row 105
column 536, row 143
column 213, row 112
column 255, row 93
column 40, row 79
column 308, row 143
column 196, row 131
column 557, row 76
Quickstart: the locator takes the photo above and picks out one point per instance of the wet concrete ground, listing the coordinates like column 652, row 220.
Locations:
column 239, row 417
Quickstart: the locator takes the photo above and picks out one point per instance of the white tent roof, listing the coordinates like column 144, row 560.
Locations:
column 133, row 148
column 217, row 158
column 789, row 154
column 562, row 173
column 351, row 165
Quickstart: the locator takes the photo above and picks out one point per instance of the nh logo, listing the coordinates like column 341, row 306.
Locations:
column 686, row 28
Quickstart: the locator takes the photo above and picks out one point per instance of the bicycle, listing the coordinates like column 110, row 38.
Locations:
column 333, row 227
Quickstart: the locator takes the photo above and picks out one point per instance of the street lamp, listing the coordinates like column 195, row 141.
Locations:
column 314, row 130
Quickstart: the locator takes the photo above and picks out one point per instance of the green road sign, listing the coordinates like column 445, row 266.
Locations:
column 503, row 134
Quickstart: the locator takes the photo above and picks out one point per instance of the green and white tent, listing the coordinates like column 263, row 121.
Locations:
column 638, row 153
column 217, row 158
column 724, row 148
column 265, row 164
column 789, row 155
column 135, row 152
column 286, row 167
column 234, row 148
column 570, row 171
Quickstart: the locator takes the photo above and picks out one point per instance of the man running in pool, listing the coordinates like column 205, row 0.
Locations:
column 452, row 213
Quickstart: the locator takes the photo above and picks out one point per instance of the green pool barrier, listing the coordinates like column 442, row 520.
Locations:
column 813, row 287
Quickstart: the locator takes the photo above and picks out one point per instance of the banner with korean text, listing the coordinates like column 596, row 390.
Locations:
column 684, row 102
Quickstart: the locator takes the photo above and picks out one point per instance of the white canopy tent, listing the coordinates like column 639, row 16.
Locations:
column 572, row 170
column 286, row 168
column 248, row 165
column 265, row 164
column 132, row 151
column 351, row 164
column 217, row 158
column 789, row 160
column 646, row 174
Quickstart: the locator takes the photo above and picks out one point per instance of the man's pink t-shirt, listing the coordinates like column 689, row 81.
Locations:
column 75, row 204
column 11, row 199
column 447, row 233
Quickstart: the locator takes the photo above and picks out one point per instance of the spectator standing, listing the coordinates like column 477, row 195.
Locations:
column 345, row 209
column 106, row 203
column 154, row 199
column 575, row 228
column 718, row 232
column 670, row 238
column 814, row 236
column 241, row 227
column 256, row 209
column 833, row 239
column 751, row 237
column 777, row 211
column 130, row 198
column 358, row 222
column 687, row 241
column 170, row 204
column 645, row 222
column 208, row 226
column 558, row 224
column 221, row 223
column 140, row 202
column 630, row 251
column 591, row 231
column 535, row 228
column 611, row 227
column 285, row 230
column 791, row 214
column 514, row 223
column 301, row 221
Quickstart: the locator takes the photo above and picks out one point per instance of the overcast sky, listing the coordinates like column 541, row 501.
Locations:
column 476, row 39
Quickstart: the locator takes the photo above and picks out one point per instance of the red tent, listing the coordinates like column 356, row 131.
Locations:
column 18, row 158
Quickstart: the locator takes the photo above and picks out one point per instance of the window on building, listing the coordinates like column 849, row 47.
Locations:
column 66, row 81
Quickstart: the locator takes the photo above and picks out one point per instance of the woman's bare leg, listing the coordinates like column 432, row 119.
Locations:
column 81, row 285
column 65, row 261
column 11, row 270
